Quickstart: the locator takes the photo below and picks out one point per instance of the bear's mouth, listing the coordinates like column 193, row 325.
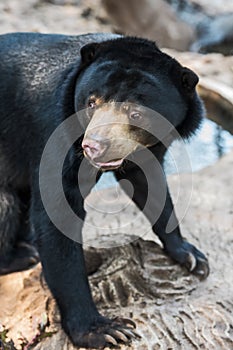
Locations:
column 110, row 165
column 113, row 164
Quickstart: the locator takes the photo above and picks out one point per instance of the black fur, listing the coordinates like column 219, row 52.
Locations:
column 44, row 80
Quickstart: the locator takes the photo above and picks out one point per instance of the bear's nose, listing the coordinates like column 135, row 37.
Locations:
column 95, row 149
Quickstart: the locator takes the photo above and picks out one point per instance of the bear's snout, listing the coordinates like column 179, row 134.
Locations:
column 95, row 149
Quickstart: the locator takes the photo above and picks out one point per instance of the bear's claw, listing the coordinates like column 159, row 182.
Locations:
column 112, row 333
column 189, row 256
column 197, row 265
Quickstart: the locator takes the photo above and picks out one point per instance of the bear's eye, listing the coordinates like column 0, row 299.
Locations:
column 135, row 116
column 92, row 103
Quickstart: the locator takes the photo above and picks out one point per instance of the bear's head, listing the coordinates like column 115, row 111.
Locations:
column 134, row 96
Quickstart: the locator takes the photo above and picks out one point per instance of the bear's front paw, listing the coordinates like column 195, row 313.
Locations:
column 105, row 333
column 188, row 255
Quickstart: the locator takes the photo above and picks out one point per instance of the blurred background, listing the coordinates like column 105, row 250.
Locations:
column 197, row 25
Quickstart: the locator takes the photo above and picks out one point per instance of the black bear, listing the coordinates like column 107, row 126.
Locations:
column 45, row 79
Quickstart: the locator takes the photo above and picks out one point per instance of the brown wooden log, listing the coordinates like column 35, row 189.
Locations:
column 150, row 19
column 218, row 98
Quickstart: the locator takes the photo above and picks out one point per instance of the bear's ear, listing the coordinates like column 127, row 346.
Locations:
column 189, row 79
column 88, row 52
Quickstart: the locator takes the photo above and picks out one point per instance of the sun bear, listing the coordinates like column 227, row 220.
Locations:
column 133, row 99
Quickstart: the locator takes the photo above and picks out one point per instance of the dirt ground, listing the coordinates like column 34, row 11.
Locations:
column 173, row 310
